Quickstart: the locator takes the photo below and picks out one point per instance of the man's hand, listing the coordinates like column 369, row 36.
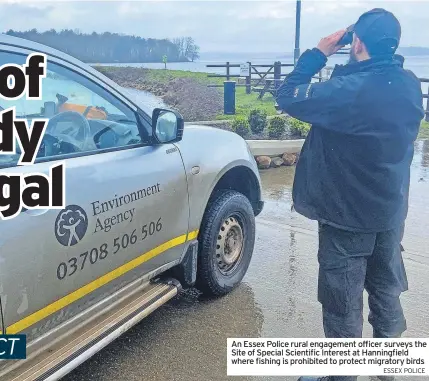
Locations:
column 329, row 45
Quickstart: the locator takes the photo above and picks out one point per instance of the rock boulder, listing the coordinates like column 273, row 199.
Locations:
column 289, row 159
column 264, row 162
column 277, row 162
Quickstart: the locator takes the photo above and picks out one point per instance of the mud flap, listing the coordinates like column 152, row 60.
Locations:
column 189, row 265
column 186, row 271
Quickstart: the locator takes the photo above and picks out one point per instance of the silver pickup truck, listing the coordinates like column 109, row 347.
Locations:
column 151, row 206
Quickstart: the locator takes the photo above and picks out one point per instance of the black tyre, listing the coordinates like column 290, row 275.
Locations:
column 226, row 242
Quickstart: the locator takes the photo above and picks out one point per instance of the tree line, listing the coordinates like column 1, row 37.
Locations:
column 113, row 47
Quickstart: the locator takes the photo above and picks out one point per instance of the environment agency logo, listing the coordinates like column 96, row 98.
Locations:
column 71, row 225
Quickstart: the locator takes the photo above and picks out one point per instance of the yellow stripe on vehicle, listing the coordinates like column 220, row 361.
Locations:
column 192, row 235
column 97, row 283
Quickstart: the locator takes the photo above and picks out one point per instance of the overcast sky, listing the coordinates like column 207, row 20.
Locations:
column 217, row 26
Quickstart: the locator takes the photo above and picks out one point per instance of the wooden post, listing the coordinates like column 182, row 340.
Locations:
column 277, row 74
column 249, row 80
column 227, row 71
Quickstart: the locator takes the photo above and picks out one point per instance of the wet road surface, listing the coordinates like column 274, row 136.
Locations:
column 186, row 339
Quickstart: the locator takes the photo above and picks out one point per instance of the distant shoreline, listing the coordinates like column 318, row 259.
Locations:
column 136, row 62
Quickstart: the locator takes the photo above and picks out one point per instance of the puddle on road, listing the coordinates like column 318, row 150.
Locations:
column 183, row 340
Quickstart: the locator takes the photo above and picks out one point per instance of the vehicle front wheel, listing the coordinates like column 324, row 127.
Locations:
column 226, row 242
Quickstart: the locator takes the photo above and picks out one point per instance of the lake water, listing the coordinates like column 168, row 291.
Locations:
column 418, row 64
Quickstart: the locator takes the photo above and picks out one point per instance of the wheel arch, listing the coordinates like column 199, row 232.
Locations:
column 241, row 179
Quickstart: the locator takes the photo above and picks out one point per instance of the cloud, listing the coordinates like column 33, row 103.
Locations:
column 232, row 26
column 263, row 11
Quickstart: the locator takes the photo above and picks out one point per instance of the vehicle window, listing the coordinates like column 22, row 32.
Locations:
column 83, row 117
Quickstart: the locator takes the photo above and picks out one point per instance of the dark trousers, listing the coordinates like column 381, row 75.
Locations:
column 350, row 262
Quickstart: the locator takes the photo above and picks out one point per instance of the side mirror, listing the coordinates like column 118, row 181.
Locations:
column 167, row 126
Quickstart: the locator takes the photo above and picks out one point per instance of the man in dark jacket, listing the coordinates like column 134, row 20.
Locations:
column 353, row 173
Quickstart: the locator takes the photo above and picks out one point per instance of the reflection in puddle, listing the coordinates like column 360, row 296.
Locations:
column 424, row 160
column 277, row 182
column 291, row 279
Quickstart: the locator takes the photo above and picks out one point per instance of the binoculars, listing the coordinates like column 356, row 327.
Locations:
column 347, row 39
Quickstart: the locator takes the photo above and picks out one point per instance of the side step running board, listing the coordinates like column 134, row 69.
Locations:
column 56, row 361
